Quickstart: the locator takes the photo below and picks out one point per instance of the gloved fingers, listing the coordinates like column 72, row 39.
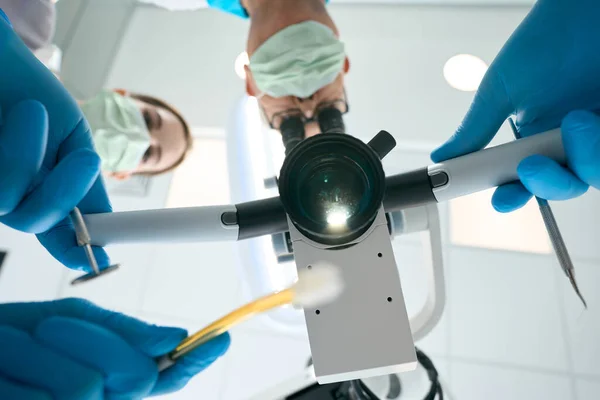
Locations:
column 5, row 17
column 548, row 180
column 487, row 113
column 23, row 139
column 14, row 390
column 581, row 138
column 25, row 360
column 178, row 375
column 96, row 200
column 128, row 374
column 548, row 123
column 151, row 340
column 62, row 189
column 61, row 242
column 510, row 197
column 26, row 316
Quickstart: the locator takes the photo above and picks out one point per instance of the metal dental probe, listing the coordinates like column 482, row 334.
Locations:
column 84, row 240
column 556, row 238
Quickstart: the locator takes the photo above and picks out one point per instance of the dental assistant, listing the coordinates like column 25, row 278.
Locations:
column 133, row 133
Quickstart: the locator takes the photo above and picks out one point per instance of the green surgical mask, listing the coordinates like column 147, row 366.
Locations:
column 119, row 131
column 298, row 60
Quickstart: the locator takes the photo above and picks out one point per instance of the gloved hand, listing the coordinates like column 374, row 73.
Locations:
column 544, row 74
column 47, row 160
column 72, row 350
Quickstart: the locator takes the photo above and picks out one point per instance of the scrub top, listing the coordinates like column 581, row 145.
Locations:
column 231, row 6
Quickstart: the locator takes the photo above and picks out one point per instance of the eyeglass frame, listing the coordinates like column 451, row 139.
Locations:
column 305, row 120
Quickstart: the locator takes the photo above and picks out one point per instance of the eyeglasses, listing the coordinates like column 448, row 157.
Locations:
column 277, row 119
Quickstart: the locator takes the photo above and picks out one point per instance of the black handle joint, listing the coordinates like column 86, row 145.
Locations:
column 382, row 143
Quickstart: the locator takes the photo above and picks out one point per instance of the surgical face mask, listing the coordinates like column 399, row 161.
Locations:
column 298, row 60
column 119, row 131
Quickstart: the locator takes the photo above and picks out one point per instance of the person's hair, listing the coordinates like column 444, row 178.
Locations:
column 187, row 133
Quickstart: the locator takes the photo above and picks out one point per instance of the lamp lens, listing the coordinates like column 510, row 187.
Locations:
column 332, row 187
column 333, row 192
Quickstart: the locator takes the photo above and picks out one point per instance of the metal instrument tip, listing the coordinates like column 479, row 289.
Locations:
column 558, row 243
column 571, row 276
column 84, row 240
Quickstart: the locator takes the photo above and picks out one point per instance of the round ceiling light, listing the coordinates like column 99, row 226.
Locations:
column 465, row 72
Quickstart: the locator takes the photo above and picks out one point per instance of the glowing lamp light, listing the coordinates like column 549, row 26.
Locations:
column 337, row 218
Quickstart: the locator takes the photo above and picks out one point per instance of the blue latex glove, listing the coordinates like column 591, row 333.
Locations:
column 72, row 350
column 47, row 160
column 547, row 70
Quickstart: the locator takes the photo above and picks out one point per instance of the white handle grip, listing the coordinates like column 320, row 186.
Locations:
column 193, row 224
column 491, row 167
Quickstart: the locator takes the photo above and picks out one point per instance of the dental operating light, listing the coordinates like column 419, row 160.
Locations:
column 440, row 182
column 333, row 201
